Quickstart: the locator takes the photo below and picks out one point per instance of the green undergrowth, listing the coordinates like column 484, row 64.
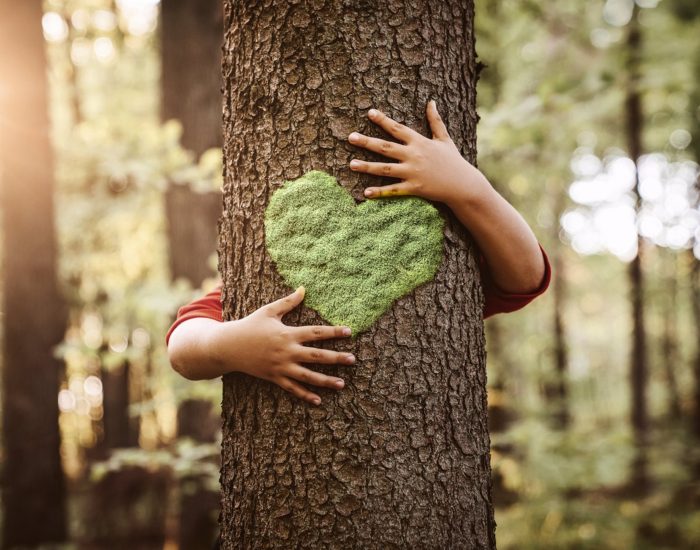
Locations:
column 353, row 260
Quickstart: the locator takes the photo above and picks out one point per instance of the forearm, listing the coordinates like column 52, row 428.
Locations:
column 190, row 349
column 506, row 240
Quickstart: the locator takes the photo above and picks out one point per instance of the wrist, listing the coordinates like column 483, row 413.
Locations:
column 217, row 345
column 474, row 193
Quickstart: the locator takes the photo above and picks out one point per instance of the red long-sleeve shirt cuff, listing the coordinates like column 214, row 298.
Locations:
column 498, row 300
column 208, row 306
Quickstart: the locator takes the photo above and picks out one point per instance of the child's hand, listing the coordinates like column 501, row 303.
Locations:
column 263, row 346
column 430, row 168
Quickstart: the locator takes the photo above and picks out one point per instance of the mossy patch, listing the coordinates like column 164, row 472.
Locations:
column 353, row 260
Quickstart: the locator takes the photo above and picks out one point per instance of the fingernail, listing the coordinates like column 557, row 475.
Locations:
column 339, row 383
column 372, row 113
column 347, row 331
column 369, row 192
column 316, row 401
column 350, row 358
column 354, row 136
column 354, row 163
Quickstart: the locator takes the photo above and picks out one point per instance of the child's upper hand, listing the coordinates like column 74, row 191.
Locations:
column 263, row 346
column 430, row 168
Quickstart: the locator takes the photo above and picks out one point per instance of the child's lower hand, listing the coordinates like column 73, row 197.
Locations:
column 263, row 346
column 430, row 168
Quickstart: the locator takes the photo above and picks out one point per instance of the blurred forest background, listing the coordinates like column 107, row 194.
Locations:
column 594, row 388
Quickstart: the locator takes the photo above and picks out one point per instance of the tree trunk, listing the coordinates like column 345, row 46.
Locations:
column 669, row 339
column 560, row 390
column 695, row 254
column 119, row 428
column 695, row 294
column 34, row 315
column 191, row 38
column 400, row 456
column 638, row 359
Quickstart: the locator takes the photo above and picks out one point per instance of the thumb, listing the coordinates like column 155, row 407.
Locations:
column 435, row 120
column 288, row 303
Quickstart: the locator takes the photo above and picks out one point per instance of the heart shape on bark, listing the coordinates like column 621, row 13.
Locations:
column 355, row 260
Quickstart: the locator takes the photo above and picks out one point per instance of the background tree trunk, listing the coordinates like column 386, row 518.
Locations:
column 34, row 315
column 669, row 338
column 560, row 390
column 191, row 39
column 638, row 359
column 400, row 457
column 695, row 261
column 119, row 428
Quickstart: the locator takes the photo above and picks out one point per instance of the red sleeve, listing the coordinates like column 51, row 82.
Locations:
column 500, row 301
column 208, row 306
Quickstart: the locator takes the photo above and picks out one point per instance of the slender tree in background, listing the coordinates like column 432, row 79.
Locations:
column 638, row 364
column 191, row 39
column 561, row 355
column 119, row 428
column 694, row 115
column 33, row 497
column 399, row 457
column 669, row 338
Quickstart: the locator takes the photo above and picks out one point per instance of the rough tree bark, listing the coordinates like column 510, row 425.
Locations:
column 638, row 359
column 191, row 39
column 34, row 315
column 400, row 457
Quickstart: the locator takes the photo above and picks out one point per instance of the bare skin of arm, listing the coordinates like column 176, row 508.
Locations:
column 260, row 345
column 435, row 170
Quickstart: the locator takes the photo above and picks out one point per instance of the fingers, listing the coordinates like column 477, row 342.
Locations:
column 396, row 129
column 314, row 378
column 381, row 146
column 389, row 169
column 287, row 384
column 306, row 354
column 435, row 120
column 394, row 190
column 288, row 303
column 321, row 332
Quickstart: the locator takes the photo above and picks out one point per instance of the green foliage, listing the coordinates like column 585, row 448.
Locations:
column 354, row 260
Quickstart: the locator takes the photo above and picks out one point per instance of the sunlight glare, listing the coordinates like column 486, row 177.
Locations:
column 80, row 19
column 606, row 218
column 677, row 236
column 92, row 386
column 618, row 12
column 55, row 28
column 104, row 20
column 650, row 226
column 616, row 222
column 104, row 49
column 66, row 400
column 141, row 15
column 81, row 51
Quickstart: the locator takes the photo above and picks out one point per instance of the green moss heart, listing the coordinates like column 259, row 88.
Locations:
column 353, row 260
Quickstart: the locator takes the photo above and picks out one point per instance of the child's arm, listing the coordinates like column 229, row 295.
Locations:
column 435, row 170
column 260, row 345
